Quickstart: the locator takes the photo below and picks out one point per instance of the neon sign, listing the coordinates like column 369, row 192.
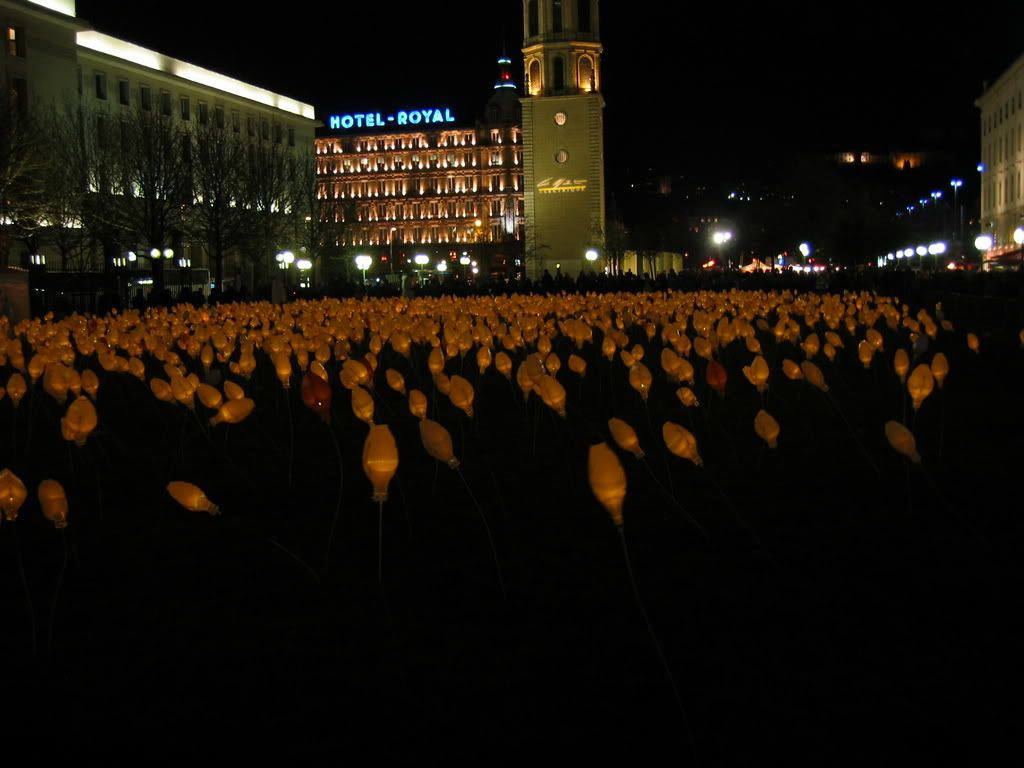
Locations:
column 401, row 118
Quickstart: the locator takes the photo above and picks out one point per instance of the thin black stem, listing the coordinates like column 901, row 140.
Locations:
column 657, row 646
column 56, row 591
column 24, row 586
column 291, row 436
column 337, row 506
column 380, row 543
column 487, row 528
column 672, row 497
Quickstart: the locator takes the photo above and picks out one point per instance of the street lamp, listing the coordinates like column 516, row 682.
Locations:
column 363, row 263
column 1018, row 238
column 284, row 260
column 442, row 267
column 304, row 265
column 956, row 184
column 720, row 239
column 421, row 260
column 591, row 255
column 391, row 245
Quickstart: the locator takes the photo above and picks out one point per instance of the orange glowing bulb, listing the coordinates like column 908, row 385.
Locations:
column 553, row 394
column 901, row 364
column 395, row 380
column 90, row 383
column 607, row 480
column 640, row 379
column 209, row 396
column 813, row 375
column 418, row 404
column 504, row 365
column 191, row 497
column 791, row 370
column 461, row 394
column 380, row 460
column 438, row 442
column 757, row 373
column 161, row 390
column 973, row 343
column 902, row 440
column 362, row 405
column 16, row 388
column 232, row 391
column 54, row 503
column 233, row 411
column 686, row 397
column 940, row 368
column 577, row 365
column 625, row 437
column 920, row 384
column 12, row 494
column 80, row 420
column 865, row 352
column 483, row 359
column 767, row 428
column 681, row 442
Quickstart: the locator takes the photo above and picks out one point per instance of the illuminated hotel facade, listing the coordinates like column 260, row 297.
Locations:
column 415, row 181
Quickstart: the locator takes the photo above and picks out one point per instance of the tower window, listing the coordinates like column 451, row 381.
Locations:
column 534, row 19
column 556, row 16
column 559, row 65
column 534, row 77
column 586, row 67
column 583, row 15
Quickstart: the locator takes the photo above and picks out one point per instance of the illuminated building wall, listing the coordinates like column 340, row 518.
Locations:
column 1002, row 155
column 414, row 178
column 563, row 132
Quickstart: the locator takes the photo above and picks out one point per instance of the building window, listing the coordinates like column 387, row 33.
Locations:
column 218, row 116
column 165, row 103
column 16, row 41
column 236, row 122
column 204, row 113
column 124, row 93
column 186, row 108
column 19, row 95
column 533, row 78
column 583, row 15
column 587, row 83
column 556, row 16
column 278, row 134
column 559, row 74
column 534, row 21
column 291, row 137
column 265, row 129
column 250, row 126
column 101, row 85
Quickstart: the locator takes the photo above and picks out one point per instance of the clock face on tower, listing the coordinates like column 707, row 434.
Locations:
column 560, row 118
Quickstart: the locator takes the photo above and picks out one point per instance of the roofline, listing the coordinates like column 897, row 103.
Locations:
column 96, row 42
column 1018, row 62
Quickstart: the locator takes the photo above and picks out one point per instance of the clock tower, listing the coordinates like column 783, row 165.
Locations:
column 563, row 134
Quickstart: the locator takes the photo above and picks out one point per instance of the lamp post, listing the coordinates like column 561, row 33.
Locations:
column 363, row 263
column 592, row 256
column 1018, row 238
column 421, row 260
column 442, row 267
column 720, row 239
column 391, row 246
column 956, row 184
column 284, row 260
column 304, row 265
column 464, row 261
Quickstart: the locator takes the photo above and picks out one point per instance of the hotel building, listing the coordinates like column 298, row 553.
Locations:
column 417, row 181
column 52, row 59
column 1002, row 156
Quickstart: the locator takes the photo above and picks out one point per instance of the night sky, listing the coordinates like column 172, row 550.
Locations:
column 688, row 87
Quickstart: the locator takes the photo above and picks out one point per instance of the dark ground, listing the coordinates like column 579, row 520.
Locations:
column 847, row 608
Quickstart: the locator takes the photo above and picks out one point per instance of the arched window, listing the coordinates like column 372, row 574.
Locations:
column 559, row 84
column 534, row 20
column 556, row 15
column 583, row 15
column 586, row 75
column 534, row 85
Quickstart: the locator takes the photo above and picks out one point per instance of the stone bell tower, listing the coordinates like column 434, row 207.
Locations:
column 563, row 135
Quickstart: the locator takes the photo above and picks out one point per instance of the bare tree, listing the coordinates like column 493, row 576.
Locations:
column 265, row 202
column 217, row 216
column 66, row 184
column 155, row 181
column 21, row 165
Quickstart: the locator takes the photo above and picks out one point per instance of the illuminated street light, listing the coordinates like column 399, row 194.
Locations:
column 956, row 184
column 936, row 249
column 168, row 253
column 591, row 255
column 363, row 263
column 304, row 265
column 421, row 259
column 442, row 266
column 983, row 242
column 464, row 260
column 921, row 250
